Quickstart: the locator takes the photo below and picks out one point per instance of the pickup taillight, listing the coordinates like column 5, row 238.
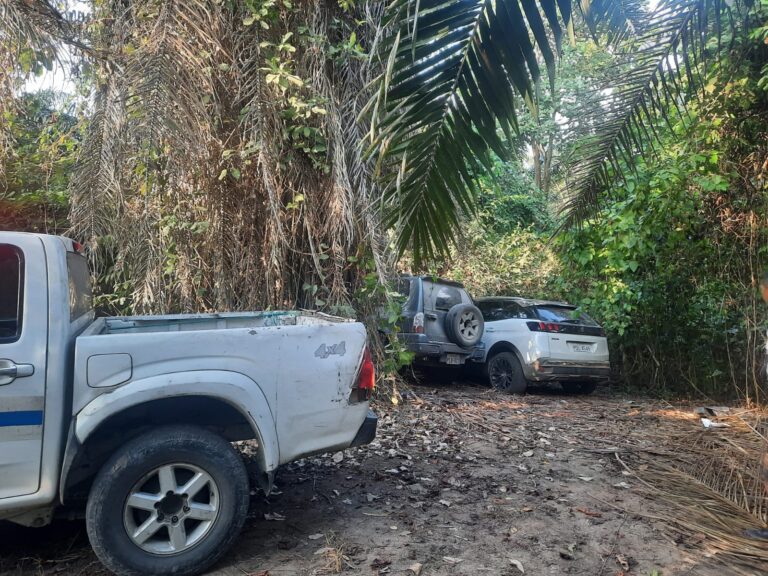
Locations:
column 366, row 378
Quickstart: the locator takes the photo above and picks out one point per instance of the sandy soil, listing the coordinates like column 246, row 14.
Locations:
column 461, row 480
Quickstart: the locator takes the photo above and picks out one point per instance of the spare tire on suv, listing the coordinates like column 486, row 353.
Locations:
column 464, row 325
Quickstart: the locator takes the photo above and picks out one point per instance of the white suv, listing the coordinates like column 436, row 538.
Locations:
column 541, row 341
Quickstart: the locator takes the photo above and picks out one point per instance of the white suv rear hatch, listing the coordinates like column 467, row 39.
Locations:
column 573, row 335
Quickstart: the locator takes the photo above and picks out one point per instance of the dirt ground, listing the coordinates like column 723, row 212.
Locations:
column 461, row 480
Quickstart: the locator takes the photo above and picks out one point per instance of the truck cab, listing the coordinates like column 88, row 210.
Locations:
column 36, row 355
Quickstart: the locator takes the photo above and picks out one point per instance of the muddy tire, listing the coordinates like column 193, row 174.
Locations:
column 505, row 373
column 170, row 501
column 578, row 387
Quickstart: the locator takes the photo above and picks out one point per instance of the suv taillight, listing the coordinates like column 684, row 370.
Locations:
column 366, row 379
column 418, row 323
column 544, row 327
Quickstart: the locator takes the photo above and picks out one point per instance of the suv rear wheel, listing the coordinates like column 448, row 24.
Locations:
column 464, row 325
column 170, row 501
column 505, row 373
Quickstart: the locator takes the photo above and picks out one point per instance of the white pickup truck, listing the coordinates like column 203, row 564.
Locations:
column 131, row 418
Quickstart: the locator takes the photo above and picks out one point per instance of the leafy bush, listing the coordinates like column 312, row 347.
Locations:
column 518, row 263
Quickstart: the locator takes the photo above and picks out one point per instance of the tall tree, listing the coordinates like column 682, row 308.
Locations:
column 221, row 167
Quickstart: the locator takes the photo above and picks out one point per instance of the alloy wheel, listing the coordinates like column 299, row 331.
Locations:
column 501, row 373
column 171, row 509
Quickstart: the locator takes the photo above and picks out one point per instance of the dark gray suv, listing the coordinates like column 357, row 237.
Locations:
column 440, row 324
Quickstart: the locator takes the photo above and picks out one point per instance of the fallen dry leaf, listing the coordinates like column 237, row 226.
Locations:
column 415, row 568
column 452, row 560
column 622, row 560
column 517, row 564
column 589, row 512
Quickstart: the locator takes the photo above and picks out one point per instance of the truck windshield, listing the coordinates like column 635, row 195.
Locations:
column 79, row 285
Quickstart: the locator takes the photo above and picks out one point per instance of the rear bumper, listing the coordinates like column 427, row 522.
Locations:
column 367, row 431
column 548, row 370
column 427, row 352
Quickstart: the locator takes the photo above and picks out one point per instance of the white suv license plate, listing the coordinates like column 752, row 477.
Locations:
column 579, row 347
column 453, row 359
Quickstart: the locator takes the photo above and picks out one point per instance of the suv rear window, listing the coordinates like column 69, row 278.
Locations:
column 502, row 310
column 447, row 297
column 563, row 314
column 11, row 292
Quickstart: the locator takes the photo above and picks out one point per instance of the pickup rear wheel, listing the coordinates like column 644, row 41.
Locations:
column 505, row 373
column 170, row 501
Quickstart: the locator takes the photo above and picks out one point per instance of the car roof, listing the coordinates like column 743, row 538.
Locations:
column 524, row 301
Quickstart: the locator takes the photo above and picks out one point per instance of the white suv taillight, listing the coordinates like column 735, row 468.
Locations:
column 418, row 323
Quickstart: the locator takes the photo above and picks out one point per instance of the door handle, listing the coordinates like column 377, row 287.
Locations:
column 431, row 316
column 10, row 371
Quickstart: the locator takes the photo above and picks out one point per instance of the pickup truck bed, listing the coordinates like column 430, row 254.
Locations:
column 293, row 365
column 219, row 321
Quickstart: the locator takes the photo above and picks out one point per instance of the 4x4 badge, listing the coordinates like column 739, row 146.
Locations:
column 338, row 349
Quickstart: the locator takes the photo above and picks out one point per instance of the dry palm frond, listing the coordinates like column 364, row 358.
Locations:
column 704, row 514
column 711, row 483
column 96, row 186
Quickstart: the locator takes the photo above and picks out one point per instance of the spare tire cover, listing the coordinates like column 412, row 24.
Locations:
column 464, row 325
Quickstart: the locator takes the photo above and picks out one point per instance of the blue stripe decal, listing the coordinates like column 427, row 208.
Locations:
column 23, row 418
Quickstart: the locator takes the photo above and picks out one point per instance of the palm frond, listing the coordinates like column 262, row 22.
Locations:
column 616, row 19
column 37, row 24
column 169, row 77
column 453, row 72
column 661, row 68
column 453, row 69
column 95, row 186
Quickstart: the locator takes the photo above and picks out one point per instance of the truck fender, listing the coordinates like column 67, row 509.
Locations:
column 234, row 388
